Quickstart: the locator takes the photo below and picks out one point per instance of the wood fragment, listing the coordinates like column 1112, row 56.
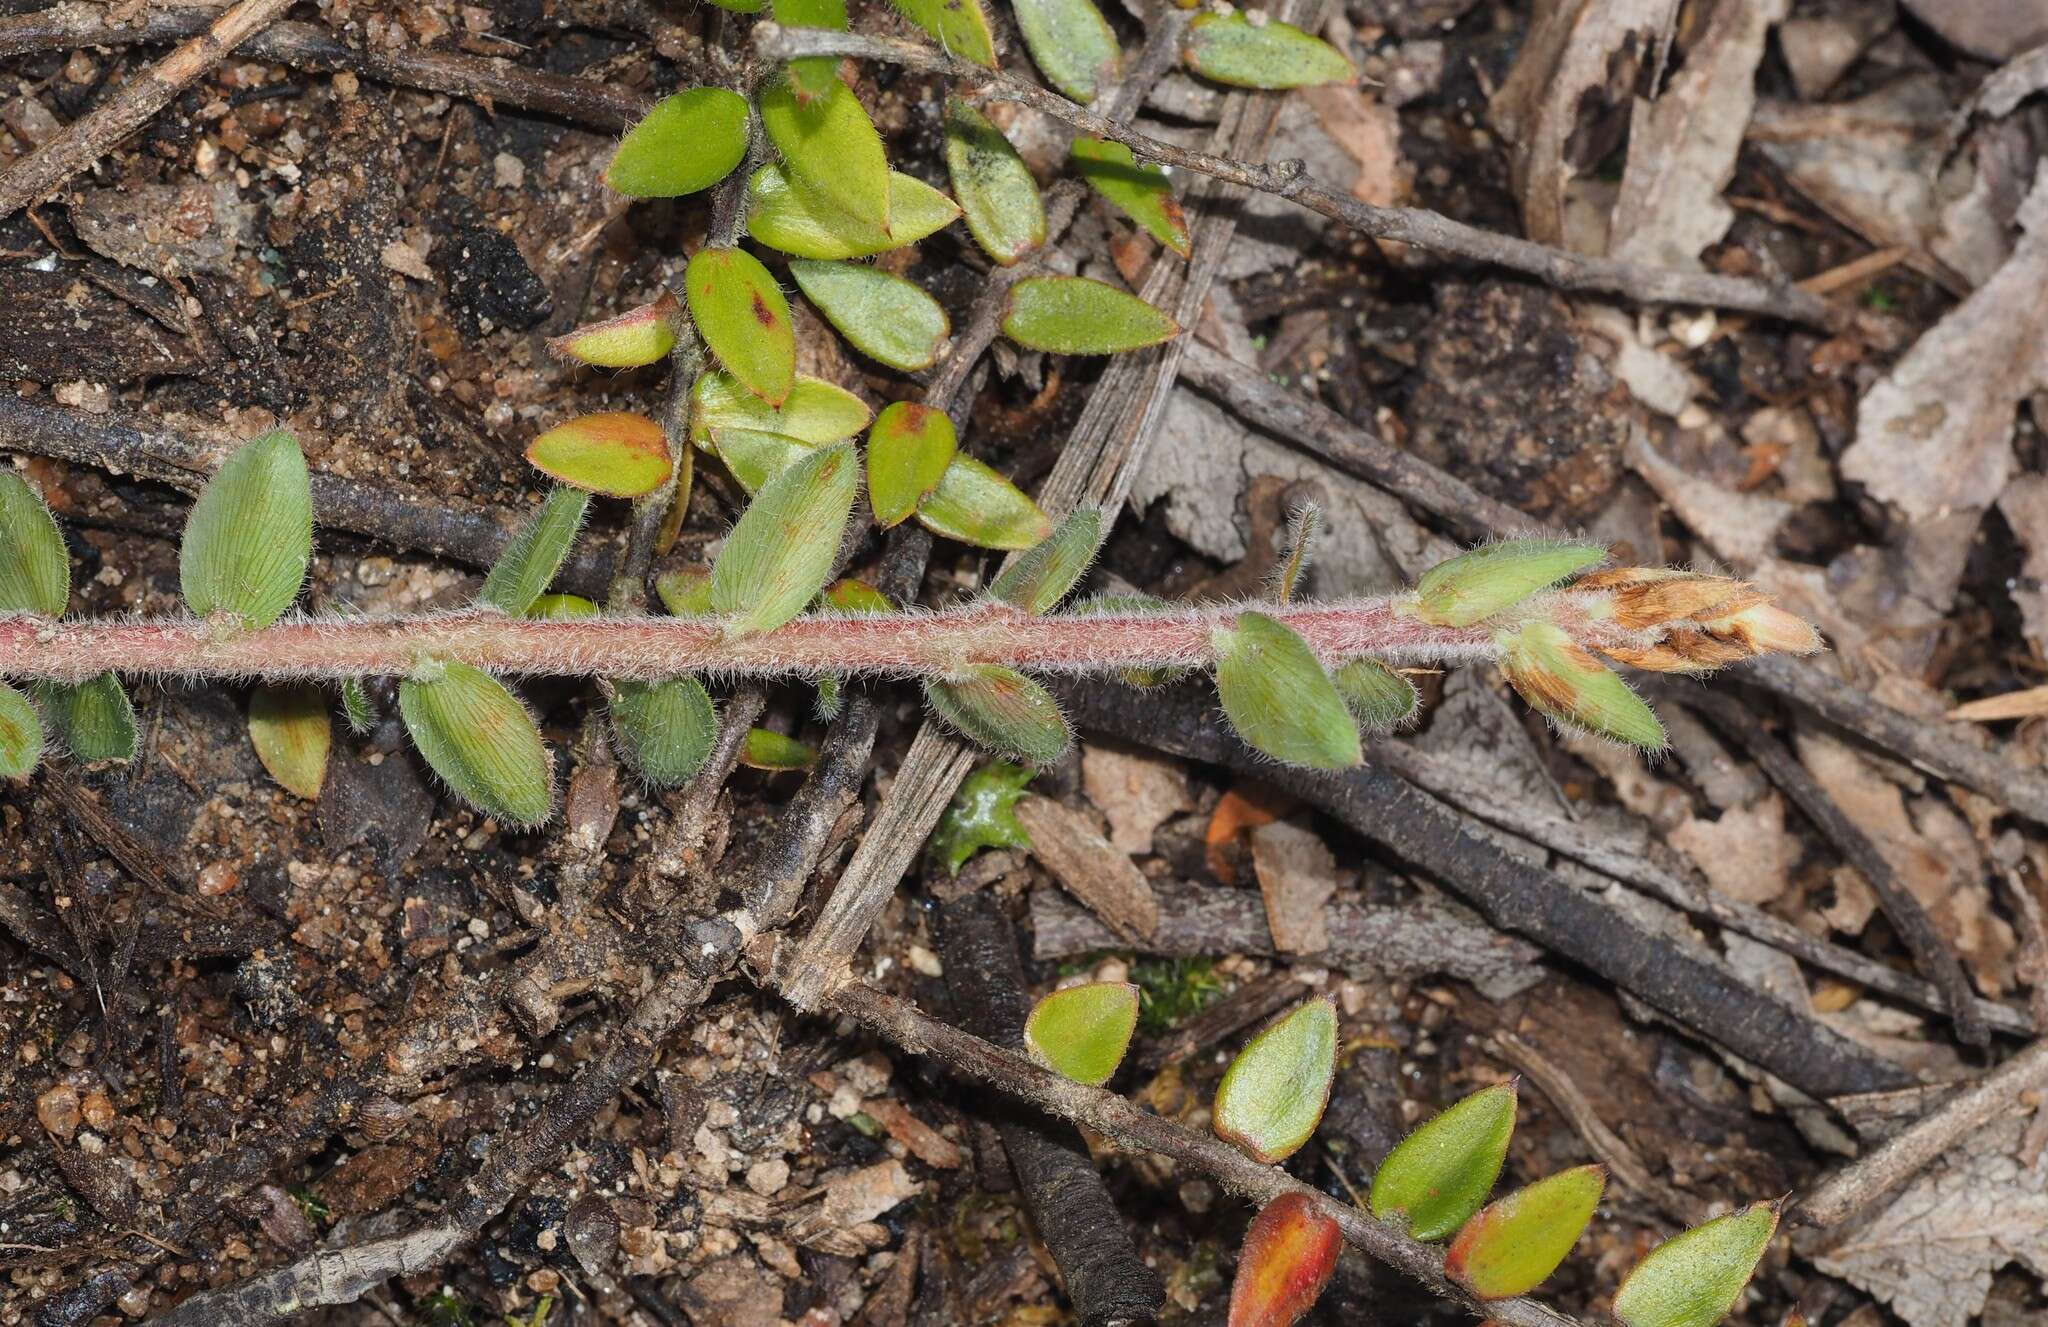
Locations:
column 1090, row 868
column 1297, row 876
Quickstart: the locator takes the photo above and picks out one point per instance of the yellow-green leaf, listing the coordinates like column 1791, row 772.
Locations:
column 755, row 457
column 638, row 336
column 814, row 75
column 1288, row 1256
column 616, row 453
column 561, row 608
column 250, row 535
column 781, row 552
column 1002, row 710
column 689, row 141
column 831, row 148
column 1273, row 1094
column 1071, row 43
column 856, row 598
column 1037, row 581
column 1138, row 190
column 977, row 506
column 1493, row 578
column 886, row 318
column 1440, row 1174
column 766, row 749
column 1694, row 1278
column 742, row 316
column 1514, row 1245
column 816, row 411
column 1250, row 51
column 909, row 450
column 536, row 553
column 797, row 222
column 997, row 194
column 1077, row 315
column 289, row 727
column 35, row 572
column 21, row 734
column 1378, row 697
column 664, row 729
column 685, row 592
column 1279, row 697
column 93, row 719
column 479, row 738
column 961, row 27
column 1081, row 1032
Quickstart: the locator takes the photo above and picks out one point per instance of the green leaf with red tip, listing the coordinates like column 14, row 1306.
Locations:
column 884, row 317
column 1563, row 681
column 960, row 27
column 249, row 537
column 93, row 719
column 1071, row 43
column 616, row 453
column 1440, row 1174
column 909, row 450
column 765, row 749
column 561, row 608
column 21, row 734
column 1077, row 315
column 796, row 221
column 1694, row 1278
column 830, row 147
column 664, row 729
column 35, row 571
column 1273, row 1095
column 1037, row 581
column 1377, row 696
column 1280, row 698
column 997, row 193
column 480, row 739
column 636, row 337
column 781, row 552
column 1003, row 711
column 815, row 411
column 977, row 506
column 754, row 457
column 1513, row 1245
column 1249, row 51
column 1138, row 190
column 289, row 727
column 1494, row 578
column 689, row 141
column 1082, row 1032
column 1288, row 1256
column 744, row 319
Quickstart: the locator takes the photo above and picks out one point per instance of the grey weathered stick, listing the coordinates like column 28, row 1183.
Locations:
column 91, row 136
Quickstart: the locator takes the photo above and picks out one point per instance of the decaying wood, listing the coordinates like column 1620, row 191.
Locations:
column 1091, row 869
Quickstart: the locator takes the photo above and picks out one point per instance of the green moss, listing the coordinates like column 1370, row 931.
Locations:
column 1171, row 989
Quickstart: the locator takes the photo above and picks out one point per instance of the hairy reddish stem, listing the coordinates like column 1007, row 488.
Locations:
column 915, row 644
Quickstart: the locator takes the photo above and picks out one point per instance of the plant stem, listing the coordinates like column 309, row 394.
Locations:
column 904, row 644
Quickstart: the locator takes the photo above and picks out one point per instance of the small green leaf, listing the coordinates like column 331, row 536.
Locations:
column 1253, row 51
column 1514, row 1245
column 561, row 608
column 1440, row 1174
column 909, row 450
column 754, row 457
column 741, row 6
column 1037, row 581
column 884, row 317
column 689, row 141
column 816, row 411
column 479, row 738
column 831, row 149
column 1288, row 1256
column 1491, row 579
column 794, row 220
column 1071, row 43
column 981, row 815
column 636, row 337
column 357, row 709
column 536, row 553
column 1077, row 315
column 1273, row 1094
column 1279, row 697
column 21, row 734
column 961, row 27
column 856, row 598
column 812, row 76
column 685, row 592
column 1139, row 191
column 977, row 506
column 1003, row 711
column 35, row 572
column 250, row 534
column 1694, row 1278
column 93, row 719
column 664, row 729
column 743, row 318
column 1565, row 683
column 289, row 728
column 1378, row 697
column 1083, row 1031
column 769, row 750
column 616, row 453
column 781, row 553
column 1004, row 212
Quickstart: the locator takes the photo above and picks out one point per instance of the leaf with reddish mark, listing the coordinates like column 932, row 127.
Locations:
column 1289, row 1253
column 1081, row 1032
column 1273, row 1095
column 636, row 337
column 1139, row 191
column 785, row 216
column 289, row 727
column 1440, row 1174
column 997, row 193
column 975, row 505
column 909, row 450
column 856, row 598
column 1694, row 1278
column 1514, row 1244
column 21, row 734
column 616, row 453
column 687, row 142
column 1564, row 682
column 1003, row 711
column 744, row 319
column 780, row 554
column 1077, row 315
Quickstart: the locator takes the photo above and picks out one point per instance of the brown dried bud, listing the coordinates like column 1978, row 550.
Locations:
column 1706, row 621
column 1646, row 597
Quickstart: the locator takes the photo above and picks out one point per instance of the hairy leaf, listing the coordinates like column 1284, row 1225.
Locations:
column 250, row 534
column 961, row 27
column 1077, row 315
column 685, row 592
column 1250, row 51
column 522, row 572
column 636, row 337
column 1377, row 696
column 1139, row 191
column 909, row 450
column 357, row 709
column 561, row 608
column 1514, row 1245
column 1273, row 1094
column 1082, row 1032
column 664, row 729
column 1288, row 1256
column 977, row 506
column 755, row 457
column 479, row 738
column 1037, row 581
column 1493, row 578
column 1003, row 711
column 689, row 141
column 815, row 411
column 981, row 815
column 1071, row 43
column 93, row 719
column 21, row 734
column 1440, row 1174
column 856, row 598
column 1279, row 697
column 1694, row 1278
column 289, row 727
column 766, row 749
column 830, row 147
column 1563, row 682
column 35, row 571
column 743, row 318
column 886, row 318
column 797, row 222
column 1000, row 200
column 780, row 554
